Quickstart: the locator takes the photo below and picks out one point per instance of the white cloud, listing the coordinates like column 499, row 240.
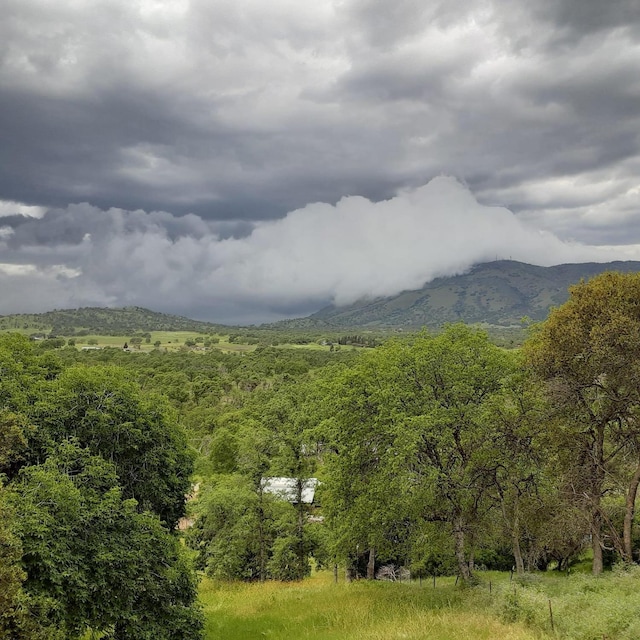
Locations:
column 11, row 208
column 320, row 253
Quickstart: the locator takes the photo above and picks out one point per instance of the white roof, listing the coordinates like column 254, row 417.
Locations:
column 286, row 488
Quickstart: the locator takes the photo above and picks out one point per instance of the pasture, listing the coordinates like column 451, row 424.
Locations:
column 318, row 609
column 583, row 607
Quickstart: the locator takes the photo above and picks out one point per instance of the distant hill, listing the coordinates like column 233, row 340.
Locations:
column 496, row 293
column 94, row 320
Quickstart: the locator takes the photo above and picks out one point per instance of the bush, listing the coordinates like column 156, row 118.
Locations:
column 283, row 564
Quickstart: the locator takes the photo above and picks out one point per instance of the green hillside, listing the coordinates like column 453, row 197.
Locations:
column 94, row 320
column 496, row 293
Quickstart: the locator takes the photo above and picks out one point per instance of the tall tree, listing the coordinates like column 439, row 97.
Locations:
column 588, row 353
column 106, row 412
column 412, row 438
column 103, row 565
column 517, row 415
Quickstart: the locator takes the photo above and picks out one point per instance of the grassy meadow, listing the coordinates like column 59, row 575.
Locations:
column 583, row 608
column 175, row 340
column 318, row 609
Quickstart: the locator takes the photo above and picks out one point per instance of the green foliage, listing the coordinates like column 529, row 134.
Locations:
column 410, row 428
column 588, row 353
column 224, row 449
column 105, row 412
column 13, row 441
column 11, row 574
column 243, row 533
column 105, row 564
column 77, row 552
column 114, row 322
column 284, row 561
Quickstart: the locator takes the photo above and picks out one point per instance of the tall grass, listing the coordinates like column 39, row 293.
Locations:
column 317, row 609
column 583, row 607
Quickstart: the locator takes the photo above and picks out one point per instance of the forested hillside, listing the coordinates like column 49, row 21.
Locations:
column 97, row 320
column 495, row 293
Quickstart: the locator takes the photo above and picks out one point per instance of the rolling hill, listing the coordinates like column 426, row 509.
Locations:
column 95, row 320
column 497, row 293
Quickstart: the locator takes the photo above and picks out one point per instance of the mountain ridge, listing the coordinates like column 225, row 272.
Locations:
column 116, row 321
column 498, row 293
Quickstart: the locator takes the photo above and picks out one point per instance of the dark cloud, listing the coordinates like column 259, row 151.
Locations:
column 576, row 19
column 292, row 266
column 244, row 110
column 240, row 111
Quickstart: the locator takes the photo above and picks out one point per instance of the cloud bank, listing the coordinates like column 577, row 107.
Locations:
column 246, row 109
column 321, row 253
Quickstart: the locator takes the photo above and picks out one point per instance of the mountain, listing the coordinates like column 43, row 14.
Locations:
column 95, row 320
column 496, row 293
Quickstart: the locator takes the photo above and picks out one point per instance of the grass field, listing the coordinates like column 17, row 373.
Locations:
column 174, row 340
column 318, row 609
column 583, row 608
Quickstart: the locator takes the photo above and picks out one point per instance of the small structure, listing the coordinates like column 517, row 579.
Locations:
column 287, row 489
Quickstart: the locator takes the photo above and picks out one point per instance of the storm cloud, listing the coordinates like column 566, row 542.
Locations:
column 203, row 127
column 319, row 254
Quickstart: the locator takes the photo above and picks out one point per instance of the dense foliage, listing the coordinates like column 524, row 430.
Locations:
column 436, row 454
column 94, row 477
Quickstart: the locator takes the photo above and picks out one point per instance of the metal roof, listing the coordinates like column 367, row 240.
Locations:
column 286, row 488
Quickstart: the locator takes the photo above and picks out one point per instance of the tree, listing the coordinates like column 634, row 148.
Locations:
column 77, row 446
column 518, row 414
column 588, row 354
column 365, row 492
column 106, row 412
column 457, row 375
column 13, row 441
column 104, row 565
column 244, row 534
column 287, row 417
column 412, row 440
column 11, row 574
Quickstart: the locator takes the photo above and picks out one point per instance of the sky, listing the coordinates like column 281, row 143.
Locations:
column 243, row 161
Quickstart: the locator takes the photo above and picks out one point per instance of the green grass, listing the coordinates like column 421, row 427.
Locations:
column 318, row 609
column 584, row 608
column 169, row 340
column 174, row 340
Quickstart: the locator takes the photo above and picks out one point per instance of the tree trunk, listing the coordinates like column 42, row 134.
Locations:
column 301, row 551
column 349, row 571
column 596, row 515
column 261, row 540
column 596, row 540
column 630, row 510
column 517, row 552
column 458, row 536
column 371, row 565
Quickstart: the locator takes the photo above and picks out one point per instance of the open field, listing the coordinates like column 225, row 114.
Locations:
column 583, row 607
column 175, row 340
column 318, row 609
